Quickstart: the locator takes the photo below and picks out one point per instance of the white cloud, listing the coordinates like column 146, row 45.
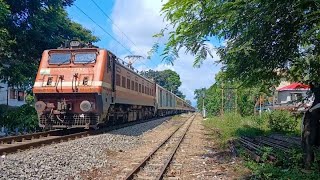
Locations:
column 162, row 67
column 193, row 78
column 140, row 20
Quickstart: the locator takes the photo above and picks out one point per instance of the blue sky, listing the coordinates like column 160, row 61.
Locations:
column 139, row 20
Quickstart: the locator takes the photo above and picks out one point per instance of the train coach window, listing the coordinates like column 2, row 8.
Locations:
column 118, row 79
column 123, row 82
column 139, row 87
column 132, row 85
column 142, row 88
column 59, row 58
column 85, row 58
column 136, row 86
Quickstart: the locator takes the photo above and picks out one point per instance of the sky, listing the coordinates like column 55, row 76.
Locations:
column 126, row 27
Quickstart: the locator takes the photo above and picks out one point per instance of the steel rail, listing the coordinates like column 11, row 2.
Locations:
column 12, row 139
column 254, row 145
column 18, row 146
column 136, row 169
column 164, row 168
column 22, row 142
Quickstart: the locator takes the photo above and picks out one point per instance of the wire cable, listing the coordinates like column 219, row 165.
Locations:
column 103, row 29
column 119, row 29
column 112, row 22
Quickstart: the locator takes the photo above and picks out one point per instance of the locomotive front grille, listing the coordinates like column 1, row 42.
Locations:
column 71, row 120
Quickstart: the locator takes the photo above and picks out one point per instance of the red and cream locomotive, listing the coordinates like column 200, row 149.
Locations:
column 85, row 86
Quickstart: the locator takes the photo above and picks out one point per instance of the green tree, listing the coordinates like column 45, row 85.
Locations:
column 199, row 95
column 33, row 26
column 265, row 41
column 5, row 40
column 167, row 78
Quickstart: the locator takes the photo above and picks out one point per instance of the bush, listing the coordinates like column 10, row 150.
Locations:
column 282, row 121
column 23, row 117
column 232, row 125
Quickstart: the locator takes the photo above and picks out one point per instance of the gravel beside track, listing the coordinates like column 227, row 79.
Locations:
column 68, row 159
column 121, row 163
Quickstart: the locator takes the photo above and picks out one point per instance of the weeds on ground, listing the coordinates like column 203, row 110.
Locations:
column 288, row 164
column 230, row 126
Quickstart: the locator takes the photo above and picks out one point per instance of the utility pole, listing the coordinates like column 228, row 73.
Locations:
column 260, row 105
column 8, row 95
column 236, row 101
column 7, row 91
column 222, row 111
column 203, row 107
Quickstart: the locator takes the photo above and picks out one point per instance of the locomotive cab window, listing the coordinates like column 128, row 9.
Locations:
column 59, row 58
column 85, row 58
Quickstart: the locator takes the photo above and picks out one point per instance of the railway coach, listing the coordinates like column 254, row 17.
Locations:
column 84, row 86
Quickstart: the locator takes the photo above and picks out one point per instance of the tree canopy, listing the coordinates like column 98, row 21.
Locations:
column 167, row 78
column 264, row 40
column 29, row 27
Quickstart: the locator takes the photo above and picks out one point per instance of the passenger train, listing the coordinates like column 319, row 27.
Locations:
column 83, row 86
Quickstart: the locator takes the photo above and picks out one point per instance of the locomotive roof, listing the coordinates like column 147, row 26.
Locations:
column 132, row 71
column 129, row 69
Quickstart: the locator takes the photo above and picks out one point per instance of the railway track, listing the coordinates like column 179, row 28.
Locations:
column 155, row 164
column 254, row 146
column 22, row 142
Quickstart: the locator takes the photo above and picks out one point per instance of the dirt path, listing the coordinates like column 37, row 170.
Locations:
column 199, row 158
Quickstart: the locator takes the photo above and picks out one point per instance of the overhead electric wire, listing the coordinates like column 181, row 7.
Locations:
column 112, row 22
column 118, row 28
column 103, row 29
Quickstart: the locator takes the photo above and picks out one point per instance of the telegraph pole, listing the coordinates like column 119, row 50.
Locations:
column 222, row 111
column 203, row 107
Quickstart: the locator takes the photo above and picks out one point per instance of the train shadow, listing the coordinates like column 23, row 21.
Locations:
column 139, row 129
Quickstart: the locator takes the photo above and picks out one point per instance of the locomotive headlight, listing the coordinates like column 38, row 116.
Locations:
column 40, row 106
column 85, row 106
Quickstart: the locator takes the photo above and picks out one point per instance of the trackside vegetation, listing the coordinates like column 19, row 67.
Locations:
column 19, row 119
column 288, row 165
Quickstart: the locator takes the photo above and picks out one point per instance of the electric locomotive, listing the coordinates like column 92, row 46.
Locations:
column 83, row 86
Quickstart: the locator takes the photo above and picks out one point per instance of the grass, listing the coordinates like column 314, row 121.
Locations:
column 231, row 126
column 288, row 166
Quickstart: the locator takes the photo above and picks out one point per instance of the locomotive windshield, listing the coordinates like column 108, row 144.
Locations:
column 85, row 58
column 59, row 58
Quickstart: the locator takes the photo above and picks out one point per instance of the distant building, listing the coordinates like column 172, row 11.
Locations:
column 13, row 96
column 291, row 93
